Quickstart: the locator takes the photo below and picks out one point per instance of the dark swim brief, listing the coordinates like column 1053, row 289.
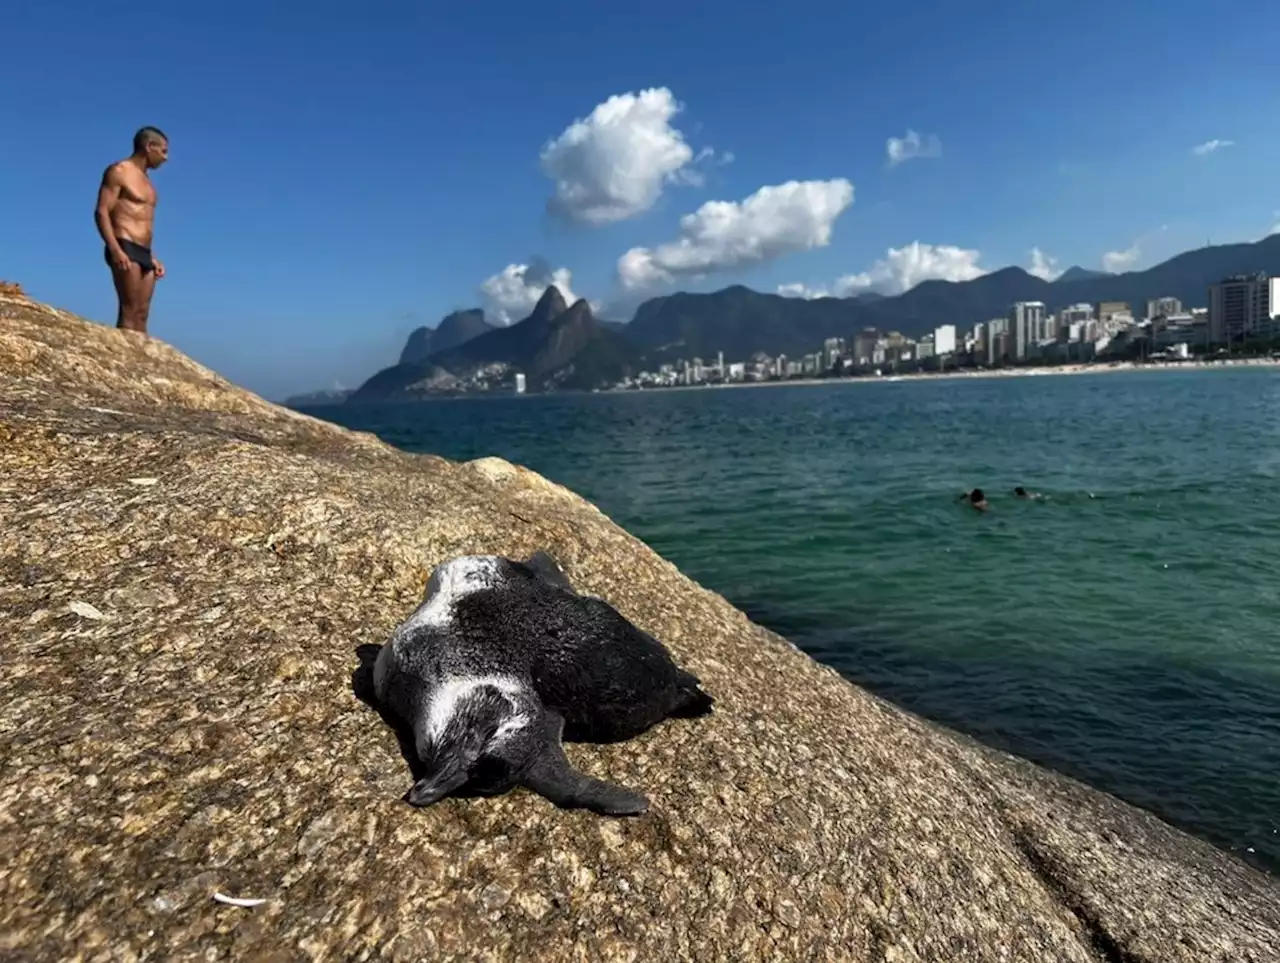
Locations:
column 138, row 254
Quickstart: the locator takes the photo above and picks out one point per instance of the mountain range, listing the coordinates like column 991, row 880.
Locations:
column 565, row 347
column 740, row 322
column 455, row 329
column 557, row 347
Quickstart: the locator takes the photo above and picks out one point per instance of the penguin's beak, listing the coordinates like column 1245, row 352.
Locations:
column 433, row 788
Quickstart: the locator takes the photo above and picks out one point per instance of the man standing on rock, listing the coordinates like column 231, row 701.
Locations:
column 126, row 218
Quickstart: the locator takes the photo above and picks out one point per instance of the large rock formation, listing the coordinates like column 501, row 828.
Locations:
column 185, row 574
column 456, row 328
column 556, row 347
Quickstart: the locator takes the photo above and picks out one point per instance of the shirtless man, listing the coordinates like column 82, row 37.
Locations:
column 125, row 216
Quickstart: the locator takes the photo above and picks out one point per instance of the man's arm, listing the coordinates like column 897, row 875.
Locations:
column 108, row 193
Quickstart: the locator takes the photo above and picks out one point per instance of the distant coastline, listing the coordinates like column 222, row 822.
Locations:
column 314, row 401
column 1021, row 372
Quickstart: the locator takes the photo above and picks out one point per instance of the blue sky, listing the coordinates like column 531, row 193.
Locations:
column 338, row 177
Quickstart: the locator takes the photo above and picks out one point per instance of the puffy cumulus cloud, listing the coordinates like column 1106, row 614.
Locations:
column 511, row 293
column 1209, row 146
column 1118, row 262
column 796, row 290
column 614, row 163
column 902, row 268
column 722, row 235
column 900, row 149
column 1043, row 266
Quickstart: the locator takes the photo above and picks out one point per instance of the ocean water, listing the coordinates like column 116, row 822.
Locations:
column 1125, row 631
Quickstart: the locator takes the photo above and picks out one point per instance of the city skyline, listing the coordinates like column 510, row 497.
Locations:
column 1244, row 311
column 1242, row 308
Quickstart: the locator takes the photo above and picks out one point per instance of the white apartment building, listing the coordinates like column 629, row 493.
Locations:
column 994, row 339
column 1243, row 306
column 1076, row 312
column 1026, row 324
column 944, row 339
column 1163, row 308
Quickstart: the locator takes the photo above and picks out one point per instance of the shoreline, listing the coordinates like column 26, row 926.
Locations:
column 1056, row 370
column 967, row 373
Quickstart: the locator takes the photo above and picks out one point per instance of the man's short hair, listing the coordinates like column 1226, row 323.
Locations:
column 146, row 136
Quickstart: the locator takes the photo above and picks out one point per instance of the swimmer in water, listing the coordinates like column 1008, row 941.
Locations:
column 976, row 499
column 1021, row 492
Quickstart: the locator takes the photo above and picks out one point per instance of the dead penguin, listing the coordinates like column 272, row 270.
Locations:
column 503, row 660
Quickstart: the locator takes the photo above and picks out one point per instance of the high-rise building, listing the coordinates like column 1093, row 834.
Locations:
column 1025, row 327
column 1070, row 319
column 994, row 339
column 1076, row 312
column 1112, row 309
column 520, row 382
column 944, row 339
column 832, row 348
column 1163, row 307
column 1243, row 306
column 864, row 345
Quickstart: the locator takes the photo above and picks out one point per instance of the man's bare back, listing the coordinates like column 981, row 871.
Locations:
column 125, row 217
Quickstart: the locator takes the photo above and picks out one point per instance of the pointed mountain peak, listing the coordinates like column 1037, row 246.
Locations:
column 550, row 305
column 580, row 311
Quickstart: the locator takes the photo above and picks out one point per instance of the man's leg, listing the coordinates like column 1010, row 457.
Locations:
column 131, row 313
column 147, row 287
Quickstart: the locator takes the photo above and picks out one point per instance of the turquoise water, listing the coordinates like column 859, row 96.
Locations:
column 1125, row 631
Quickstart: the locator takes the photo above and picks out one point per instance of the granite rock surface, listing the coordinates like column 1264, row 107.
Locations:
column 186, row 572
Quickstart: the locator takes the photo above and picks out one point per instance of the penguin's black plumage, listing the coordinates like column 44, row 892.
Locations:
column 503, row 660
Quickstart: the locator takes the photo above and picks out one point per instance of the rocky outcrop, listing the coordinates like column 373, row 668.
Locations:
column 186, row 572
column 419, row 346
column 556, row 346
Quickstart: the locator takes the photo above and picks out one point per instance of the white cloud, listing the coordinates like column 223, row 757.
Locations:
column 720, row 160
column 511, row 293
column 797, row 290
column 1275, row 228
column 900, row 149
column 1118, row 262
column 722, row 235
column 613, row 164
column 1209, row 146
column 902, row 268
column 1043, row 266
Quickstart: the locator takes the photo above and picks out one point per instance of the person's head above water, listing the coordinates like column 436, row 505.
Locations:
column 977, row 496
column 1020, row 492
